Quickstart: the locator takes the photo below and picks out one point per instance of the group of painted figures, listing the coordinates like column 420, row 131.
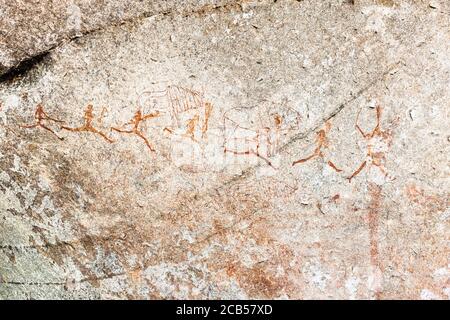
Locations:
column 260, row 141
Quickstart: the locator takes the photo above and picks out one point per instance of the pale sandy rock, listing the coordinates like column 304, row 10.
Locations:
column 95, row 213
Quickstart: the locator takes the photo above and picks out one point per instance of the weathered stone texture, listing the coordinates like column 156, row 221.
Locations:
column 29, row 28
column 339, row 208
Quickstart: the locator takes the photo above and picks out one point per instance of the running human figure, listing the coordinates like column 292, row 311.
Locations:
column 321, row 143
column 40, row 116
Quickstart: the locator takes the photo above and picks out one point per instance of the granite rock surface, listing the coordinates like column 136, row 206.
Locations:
column 225, row 149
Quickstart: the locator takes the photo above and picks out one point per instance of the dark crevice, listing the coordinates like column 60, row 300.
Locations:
column 23, row 67
column 26, row 65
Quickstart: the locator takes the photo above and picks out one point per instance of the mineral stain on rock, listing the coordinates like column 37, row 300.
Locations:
column 171, row 151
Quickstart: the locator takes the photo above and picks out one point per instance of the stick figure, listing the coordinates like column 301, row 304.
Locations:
column 135, row 122
column 87, row 126
column 321, row 142
column 208, row 111
column 373, row 157
column 191, row 125
column 40, row 115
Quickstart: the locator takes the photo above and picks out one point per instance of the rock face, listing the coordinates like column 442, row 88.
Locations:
column 289, row 150
column 29, row 28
